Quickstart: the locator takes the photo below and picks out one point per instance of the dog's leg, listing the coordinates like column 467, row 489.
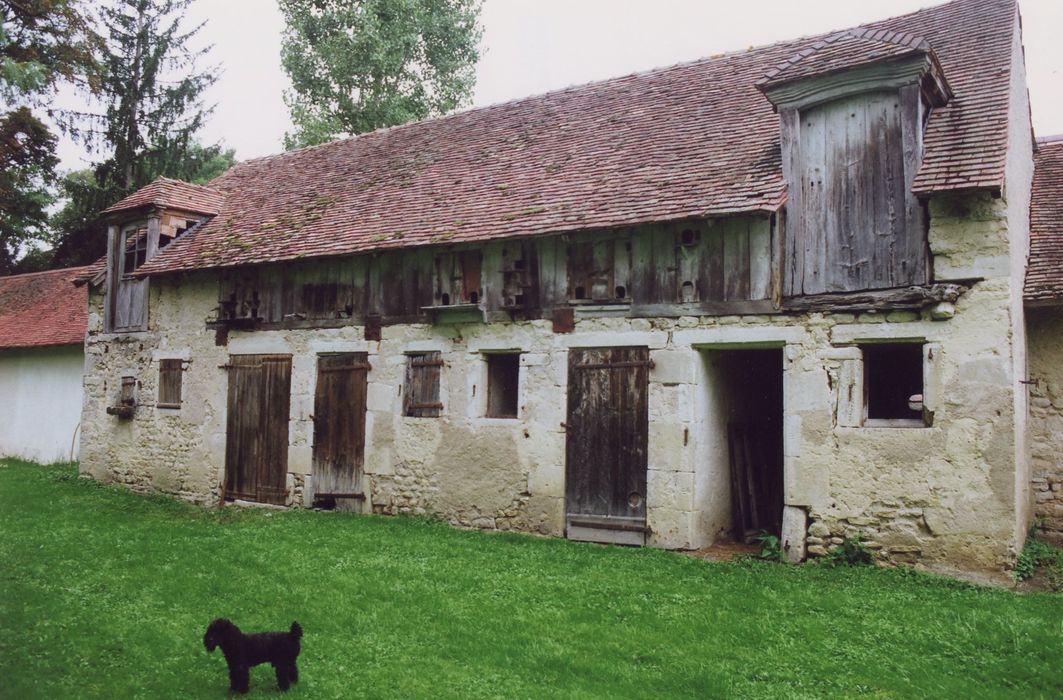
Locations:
column 239, row 678
column 293, row 672
column 282, row 675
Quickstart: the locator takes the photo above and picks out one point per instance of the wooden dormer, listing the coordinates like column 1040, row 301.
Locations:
column 852, row 110
column 139, row 227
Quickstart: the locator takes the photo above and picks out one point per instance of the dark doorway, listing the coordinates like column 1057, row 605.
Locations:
column 339, row 430
column 256, row 443
column 749, row 389
column 606, row 445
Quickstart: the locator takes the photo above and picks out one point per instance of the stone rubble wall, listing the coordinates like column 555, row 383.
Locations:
column 1046, row 417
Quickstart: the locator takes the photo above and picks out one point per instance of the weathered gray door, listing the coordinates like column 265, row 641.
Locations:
column 605, row 462
column 256, row 445
column 339, row 429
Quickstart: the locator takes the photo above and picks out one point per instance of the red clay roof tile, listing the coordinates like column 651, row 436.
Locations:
column 42, row 308
column 1044, row 274
column 692, row 140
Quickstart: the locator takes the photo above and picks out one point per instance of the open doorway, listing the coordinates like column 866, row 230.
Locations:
column 744, row 426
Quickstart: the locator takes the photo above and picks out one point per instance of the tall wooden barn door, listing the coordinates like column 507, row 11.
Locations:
column 605, row 461
column 339, row 430
column 256, row 446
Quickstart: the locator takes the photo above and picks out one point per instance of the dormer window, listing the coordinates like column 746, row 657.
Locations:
column 135, row 248
column 852, row 110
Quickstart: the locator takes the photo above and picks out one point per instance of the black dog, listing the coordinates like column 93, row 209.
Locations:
column 242, row 651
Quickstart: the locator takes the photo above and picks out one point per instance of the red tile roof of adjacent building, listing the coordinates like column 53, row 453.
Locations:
column 42, row 308
column 1044, row 274
column 172, row 194
column 693, row 140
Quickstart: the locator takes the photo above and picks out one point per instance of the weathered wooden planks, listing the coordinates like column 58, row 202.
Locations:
column 707, row 264
column 852, row 222
column 256, row 444
column 606, row 444
column 339, row 428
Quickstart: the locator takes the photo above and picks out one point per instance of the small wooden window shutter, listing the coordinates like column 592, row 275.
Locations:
column 170, row 372
column 421, row 398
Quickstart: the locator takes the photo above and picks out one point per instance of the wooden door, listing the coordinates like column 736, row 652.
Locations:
column 256, row 446
column 605, row 463
column 339, row 429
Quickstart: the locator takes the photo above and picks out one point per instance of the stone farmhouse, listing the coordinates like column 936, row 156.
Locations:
column 42, row 358
column 779, row 290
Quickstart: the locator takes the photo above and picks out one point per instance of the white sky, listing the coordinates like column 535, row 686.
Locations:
column 533, row 46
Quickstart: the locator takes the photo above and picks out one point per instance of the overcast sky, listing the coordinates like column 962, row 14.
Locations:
column 533, row 46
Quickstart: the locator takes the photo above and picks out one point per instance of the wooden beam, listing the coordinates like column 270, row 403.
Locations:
column 917, row 297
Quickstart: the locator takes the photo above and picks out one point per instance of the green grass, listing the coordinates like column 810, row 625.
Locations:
column 104, row 593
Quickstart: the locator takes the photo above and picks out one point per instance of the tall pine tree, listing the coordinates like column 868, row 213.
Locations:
column 358, row 65
column 153, row 92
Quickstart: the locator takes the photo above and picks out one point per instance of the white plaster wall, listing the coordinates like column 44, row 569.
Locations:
column 40, row 402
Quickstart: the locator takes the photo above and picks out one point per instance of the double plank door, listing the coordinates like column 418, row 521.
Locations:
column 256, row 446
column 606, row 445
column 339, row 430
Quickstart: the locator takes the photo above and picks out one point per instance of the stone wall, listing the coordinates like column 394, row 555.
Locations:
column 1045, row 331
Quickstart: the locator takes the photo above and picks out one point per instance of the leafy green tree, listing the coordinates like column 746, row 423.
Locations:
column 358, row 65
column 43, row 44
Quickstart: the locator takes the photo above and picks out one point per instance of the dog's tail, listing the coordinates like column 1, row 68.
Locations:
column 296, row 631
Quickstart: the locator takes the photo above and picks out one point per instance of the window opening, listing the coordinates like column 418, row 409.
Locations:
column 135, row 250
column 503, row 372
column 893, row 381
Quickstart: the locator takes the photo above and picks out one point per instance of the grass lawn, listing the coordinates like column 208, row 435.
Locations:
column 104, row 593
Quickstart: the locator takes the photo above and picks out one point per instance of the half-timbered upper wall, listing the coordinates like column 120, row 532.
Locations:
column 706, row 266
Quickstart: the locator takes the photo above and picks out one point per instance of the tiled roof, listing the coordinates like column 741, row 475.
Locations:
column 172, row 194
column 692, row 140
column 843, row 50
column 1044, row 275
column 42, row 308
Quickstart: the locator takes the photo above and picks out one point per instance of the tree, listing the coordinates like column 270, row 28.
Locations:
column 154, row 107
column 43, row 43
column 358, row 65
column 152, row 90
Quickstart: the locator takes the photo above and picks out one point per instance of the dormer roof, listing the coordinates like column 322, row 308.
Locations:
column 166, row 193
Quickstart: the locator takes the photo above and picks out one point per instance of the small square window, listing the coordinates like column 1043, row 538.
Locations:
column 421, row 396
column 170, row 372
column 893, row 383
column 503, row 373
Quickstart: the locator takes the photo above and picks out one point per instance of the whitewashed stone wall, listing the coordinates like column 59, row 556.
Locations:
column 943, row 495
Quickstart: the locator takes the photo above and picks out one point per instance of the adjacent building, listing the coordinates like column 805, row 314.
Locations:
column 42, row 341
